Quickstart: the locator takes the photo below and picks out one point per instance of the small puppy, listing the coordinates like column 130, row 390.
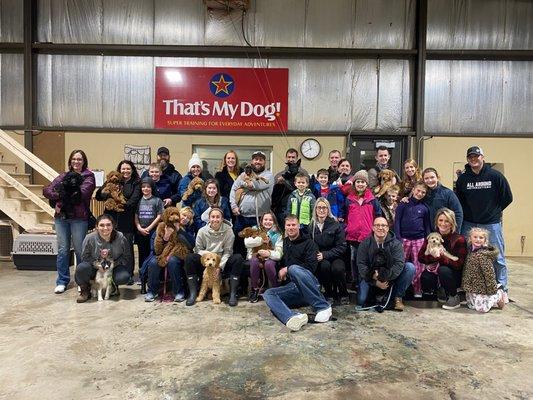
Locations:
column 435, row 247
column 194, row 185
column 210, row 261
column 247, row 176
column 254, row 233
column 113, row 187
column 386, row 181
column 103, row 282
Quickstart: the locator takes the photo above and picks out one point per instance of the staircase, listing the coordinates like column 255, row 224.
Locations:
column 20, row 200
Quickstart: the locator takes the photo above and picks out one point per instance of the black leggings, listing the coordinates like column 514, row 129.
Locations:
column 332, row 276
column 450, row 280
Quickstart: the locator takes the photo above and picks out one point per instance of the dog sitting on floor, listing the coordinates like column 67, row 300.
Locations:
column 435, row 247
column 210, row 280
column 103, row 281
column 113, row 187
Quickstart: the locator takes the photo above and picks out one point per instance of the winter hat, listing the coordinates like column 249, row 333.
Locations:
column 149, row 181
column 195, row 160
column 361, row 175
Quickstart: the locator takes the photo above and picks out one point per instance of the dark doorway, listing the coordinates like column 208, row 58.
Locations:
column 363, row 150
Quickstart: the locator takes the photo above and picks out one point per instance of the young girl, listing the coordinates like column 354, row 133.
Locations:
column 411, row 226
column 269, row 224
column 210, row 198
column 479, row 280
column 388, row 204
column 361, row 210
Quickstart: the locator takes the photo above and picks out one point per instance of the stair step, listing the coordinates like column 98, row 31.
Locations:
column 9, row 167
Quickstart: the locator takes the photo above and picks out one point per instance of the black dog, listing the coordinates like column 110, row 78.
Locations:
column 69, row 192
column 382, row 263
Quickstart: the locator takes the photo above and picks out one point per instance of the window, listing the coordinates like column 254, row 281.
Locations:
column 212, row 155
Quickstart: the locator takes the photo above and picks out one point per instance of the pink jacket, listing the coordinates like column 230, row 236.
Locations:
column 359, row 217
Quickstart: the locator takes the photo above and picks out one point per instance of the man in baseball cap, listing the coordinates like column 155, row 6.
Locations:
column 170, row 179
column 474, row 150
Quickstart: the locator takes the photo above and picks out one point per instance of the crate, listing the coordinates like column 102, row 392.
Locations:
column 35, row 252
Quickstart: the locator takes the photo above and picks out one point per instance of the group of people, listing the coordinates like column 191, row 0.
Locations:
column 326, row 233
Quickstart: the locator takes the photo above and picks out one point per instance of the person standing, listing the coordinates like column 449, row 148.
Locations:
column 229, row 171
column 169, row 180
column 484, row 193
column 382, row 162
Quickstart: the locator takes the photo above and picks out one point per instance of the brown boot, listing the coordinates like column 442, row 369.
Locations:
column 84, row 295
column 398, row 304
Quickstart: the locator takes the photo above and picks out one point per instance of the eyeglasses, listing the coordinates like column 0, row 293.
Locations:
column 322, row 208
column 381, row 226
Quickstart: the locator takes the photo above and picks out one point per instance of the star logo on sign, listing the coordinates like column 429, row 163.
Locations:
column 222, row 85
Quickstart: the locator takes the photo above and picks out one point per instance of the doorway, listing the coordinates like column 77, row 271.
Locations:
column 363, row 150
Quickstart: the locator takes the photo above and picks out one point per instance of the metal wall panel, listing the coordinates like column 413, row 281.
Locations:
column 44, row 90
column 223, row 28
column 275, row 28
column 128, row 21
column 479, row 96
column 11, row 21
column 394, row 97
column 329, row 23
column 11, row 89
column 364, row 95
column 179, row 22
column 480, row 24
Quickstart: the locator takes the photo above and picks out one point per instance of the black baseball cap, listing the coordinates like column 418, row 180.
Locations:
column 474, row 150
column 163, row 150
column 259, row 154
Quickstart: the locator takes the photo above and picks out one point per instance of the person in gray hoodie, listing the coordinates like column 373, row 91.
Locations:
column 215, row 237
column 105, row 237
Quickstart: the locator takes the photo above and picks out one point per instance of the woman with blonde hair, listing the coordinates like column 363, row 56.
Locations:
column 229, row 171
column 411, row 175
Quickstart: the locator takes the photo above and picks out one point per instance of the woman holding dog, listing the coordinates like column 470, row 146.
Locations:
column 210, row 198
column 443, row 269
column 70, row 220
column 195, row 171
column 216, row 237
column 329, row 236
column 229, row 171
column 105, row 237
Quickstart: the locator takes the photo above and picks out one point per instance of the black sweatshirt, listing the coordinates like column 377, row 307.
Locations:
column 302, row 251
column 483, row 196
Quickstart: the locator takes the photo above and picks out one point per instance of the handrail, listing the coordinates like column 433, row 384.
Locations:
column 27, row 156
column 26, row 192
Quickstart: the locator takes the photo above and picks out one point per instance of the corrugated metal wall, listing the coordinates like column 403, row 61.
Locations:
column 324, row 95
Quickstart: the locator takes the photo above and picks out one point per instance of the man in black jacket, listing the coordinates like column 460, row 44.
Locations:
column 484, row 193
column 300, row 262
column 393, row 271
column 170, row 176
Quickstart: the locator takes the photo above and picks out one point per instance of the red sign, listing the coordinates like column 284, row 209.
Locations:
column 221, row 99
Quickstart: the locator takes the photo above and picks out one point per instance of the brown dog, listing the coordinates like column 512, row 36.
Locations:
column 253, row 233
column 195, row 184
column 113, row 187
column 174, row 247
column 387, row 179
column 210, row 280
column 247, row 176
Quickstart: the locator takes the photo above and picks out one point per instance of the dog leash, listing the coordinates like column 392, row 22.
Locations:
column 379, row 307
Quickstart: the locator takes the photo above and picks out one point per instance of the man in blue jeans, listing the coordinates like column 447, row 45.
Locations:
column 484, row 193
column 400, row 273
column 299, row 258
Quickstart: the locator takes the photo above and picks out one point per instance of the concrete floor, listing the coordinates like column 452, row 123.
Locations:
column 51, row 347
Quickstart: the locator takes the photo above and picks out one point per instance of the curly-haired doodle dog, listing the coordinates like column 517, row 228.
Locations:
column 113, row 187
column 174, row 246
column 211, row 279
column 194, row 185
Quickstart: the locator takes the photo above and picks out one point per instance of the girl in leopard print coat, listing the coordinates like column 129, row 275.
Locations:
column 479, row 280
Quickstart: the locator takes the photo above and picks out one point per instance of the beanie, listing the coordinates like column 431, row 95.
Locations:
column 195, row 160
column 361, row 175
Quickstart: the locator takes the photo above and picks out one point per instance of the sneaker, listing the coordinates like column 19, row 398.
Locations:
column 441, row 295
column 179, row 297
column 398, row 304
column 60, row 289
column 254, row 296
column 345, row 300
column 418, row 295
column 453, row 303
column 323, row 315
column 296, row 322
column 149, row 297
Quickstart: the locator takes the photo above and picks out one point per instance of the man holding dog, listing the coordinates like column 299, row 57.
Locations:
column 401, row 273
column 484, row 193
column 291, row 158
column 382, row 162
column 300, row 263
column 170, row 178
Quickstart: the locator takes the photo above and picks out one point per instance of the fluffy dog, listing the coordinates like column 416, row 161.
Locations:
column 103, row 282
column 69, row 193
column 387, row 179
column 248, row 176
column 382, row 264
column 435, row 247
column 210, row 280
column 195, row 184
column 254, row 233
column 113, row 187
column 174, row 247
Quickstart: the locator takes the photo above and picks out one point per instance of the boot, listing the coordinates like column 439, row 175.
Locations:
column 192, row 281
column 233, row 286
column 143, row 287
column 84, row 295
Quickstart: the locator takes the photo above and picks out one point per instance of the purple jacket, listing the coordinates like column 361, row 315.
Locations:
column 412, row 220
column 87, row 189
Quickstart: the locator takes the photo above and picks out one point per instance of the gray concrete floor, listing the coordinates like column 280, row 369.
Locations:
column 51, row 347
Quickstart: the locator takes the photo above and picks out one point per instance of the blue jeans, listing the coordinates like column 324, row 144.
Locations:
column 303, row 289
column 496, row 239
column 401, row 283
column 174, row 270
column 65, row 230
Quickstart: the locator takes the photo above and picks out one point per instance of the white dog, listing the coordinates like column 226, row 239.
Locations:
column 103, row 282
column 435, row 247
